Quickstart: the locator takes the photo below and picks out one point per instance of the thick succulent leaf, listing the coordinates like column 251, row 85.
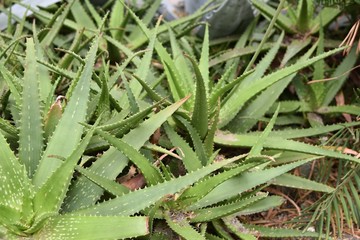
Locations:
column 136, row 43
column 262, row 205
column 116, row 20
column 13, row 83
column 204, row 60
column 221, row 90
column 189, row 157
column 183, row 68
column 289, row 180
column 234, row 226
column 31, row 135
column 282, row 21
column 181, row 226
column 8, row 129
column 327, row 14
column 110, row 186
column 15, row 188
column 244, row 182
column 237, row 52
column 178, row 88
column 85, row 193
column 243, row 140
column 68, row 132
column 203, row 187
column 341, row 74
column 228, row 111
column 259, row 145
column 51, row 194
column 307, row 132
column 319, row 72
column 129, row 122
column 133, row 202
column 196, row 140
column 151, row 173
column 44, row 78
column 144, row 67
column 58, row 23
column 149, row 16
column 211, row 213
column 200, row 117
column 93, row 227
column 267, row 232
column 81, row 17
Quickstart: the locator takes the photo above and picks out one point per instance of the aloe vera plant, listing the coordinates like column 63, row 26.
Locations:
column 167, row 122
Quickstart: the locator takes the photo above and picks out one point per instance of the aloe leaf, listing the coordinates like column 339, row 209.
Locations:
column 350, row 109
column 218, row 92
column 200, row 118
column 54, row 29
column 94, row 13
column 61, row 144
column 108, row 185
column 181, row 226
column 9, row 129
column 262, row 205
column 282, row 21
column 177, row 86
column 104, row 100
column 289, row 180
column 204, row 60
column 202, row 188
column 151, row 93
column 307, row 132
column 249, row 115
column 268, row 232
column 237, row 228
column 279, row 143
column 341, row 73
column 151, row 173
column 259, row 145
column 319, row 73
column 94, row 227
column 67, row 59
column 45, row 86
column 136, row 43
column 147, row 19
column 209, row 140
column 294, row 48
column 51, row 194
column 189, row 158
column 235, row 53
column 30, row 126
column 13, row 83
column 129, row 122
column 260, row 69
column 211, row 213
column 130, row 96
column 81, row 17
column 85, row 193
column 145, row 64
column 116, row 19
column 133, row 202
column 327, row 14
column 228, row 111
column 196, row 140
column 15, row 188
column 244, row 182
column 185, row 75
column 303, row 17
